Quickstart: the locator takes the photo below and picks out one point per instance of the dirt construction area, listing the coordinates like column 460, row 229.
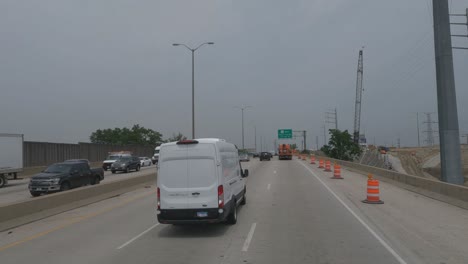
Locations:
column 425, row 161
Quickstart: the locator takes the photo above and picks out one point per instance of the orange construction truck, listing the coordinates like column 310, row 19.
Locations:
column 285, row 152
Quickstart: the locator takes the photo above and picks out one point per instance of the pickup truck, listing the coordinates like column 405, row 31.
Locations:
column 64, row 176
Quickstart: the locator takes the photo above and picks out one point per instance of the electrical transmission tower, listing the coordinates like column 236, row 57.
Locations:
column 357, row 109
column 429, row 131
column 450, row 154
column 460, row 24
column 332, row 118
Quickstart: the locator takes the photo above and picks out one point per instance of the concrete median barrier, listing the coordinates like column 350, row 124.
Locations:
column 450, row 193
column 20, row 213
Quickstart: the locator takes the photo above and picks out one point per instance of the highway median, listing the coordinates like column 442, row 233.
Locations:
column 20, row 213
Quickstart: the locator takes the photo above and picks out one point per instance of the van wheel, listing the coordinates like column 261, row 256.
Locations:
column 232, row 218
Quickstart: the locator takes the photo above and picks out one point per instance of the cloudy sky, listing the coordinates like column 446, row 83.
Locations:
column 68, row 68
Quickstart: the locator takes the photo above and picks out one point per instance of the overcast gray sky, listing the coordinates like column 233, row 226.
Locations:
column 68, row 68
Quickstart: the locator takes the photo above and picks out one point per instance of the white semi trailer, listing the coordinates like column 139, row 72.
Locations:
column 11, row 157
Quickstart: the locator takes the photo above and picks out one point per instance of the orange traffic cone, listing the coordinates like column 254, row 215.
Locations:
column 373, row 192
column 321, row 164
column 312, row 159
column 327, row 166
column 337, row 172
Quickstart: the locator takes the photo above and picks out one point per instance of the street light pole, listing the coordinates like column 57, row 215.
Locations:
column 243, row 147
column 193, row 79
column 193, row 94
column 242, row 111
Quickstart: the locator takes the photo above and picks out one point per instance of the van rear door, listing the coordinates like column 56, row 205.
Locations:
column 173, row 177
column 202, row 184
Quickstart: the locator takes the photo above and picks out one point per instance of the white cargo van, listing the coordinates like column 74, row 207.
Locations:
column 199, row 181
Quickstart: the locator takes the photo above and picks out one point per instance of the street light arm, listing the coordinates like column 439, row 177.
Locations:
column 181, row 44
column 206, row 43
column 244, row 107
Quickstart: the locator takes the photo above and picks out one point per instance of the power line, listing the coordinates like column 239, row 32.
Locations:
column 410, row 74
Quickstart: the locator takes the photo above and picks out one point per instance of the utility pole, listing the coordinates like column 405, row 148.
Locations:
column 429, row 131
column 305, row 140
column 450, row 156
column 336, row 119
column 316, row 142
column 332, row 118
column 357, row 109
column 324, row 136
column 398, row 142
column 304, row 136
column 417, row 124
column 255, row 140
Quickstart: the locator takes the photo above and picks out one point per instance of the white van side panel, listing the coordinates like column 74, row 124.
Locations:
column 229, row 161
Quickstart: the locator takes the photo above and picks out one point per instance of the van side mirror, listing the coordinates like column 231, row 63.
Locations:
column 246, row 173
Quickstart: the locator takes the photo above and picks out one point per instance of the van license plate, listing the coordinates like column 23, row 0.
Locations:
column 202, row 214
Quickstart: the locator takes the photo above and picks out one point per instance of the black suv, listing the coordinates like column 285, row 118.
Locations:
column 265, row 156
column 126, row 164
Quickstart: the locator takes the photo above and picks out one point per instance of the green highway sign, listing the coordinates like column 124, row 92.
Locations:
column 284, row 133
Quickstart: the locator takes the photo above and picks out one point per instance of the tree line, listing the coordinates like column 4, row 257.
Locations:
column 136, row 135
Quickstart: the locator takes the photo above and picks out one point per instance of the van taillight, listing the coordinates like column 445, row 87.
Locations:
column 220, row 196
column 159, row 199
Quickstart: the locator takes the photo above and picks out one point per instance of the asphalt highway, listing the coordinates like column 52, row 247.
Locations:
column 294, row 214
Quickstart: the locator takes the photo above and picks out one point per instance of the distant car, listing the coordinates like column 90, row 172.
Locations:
column 265, row 156
column 145, row 161
column 126, row 164
column 244, row 157
column 113, row 157
column 255, row 155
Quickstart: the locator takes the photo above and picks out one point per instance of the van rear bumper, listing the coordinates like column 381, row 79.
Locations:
column 189, row 216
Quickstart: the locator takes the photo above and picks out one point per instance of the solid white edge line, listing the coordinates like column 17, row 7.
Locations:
column 384, row 244
column 249, row 237
column 138, row 236
column 268, row 186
